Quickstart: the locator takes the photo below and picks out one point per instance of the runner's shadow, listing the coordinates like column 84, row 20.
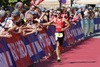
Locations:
column 47, row 62
column 82, row 62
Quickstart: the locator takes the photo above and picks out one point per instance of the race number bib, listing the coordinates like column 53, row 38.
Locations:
column 59, row 34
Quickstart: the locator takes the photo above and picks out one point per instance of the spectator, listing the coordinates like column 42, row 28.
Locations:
column 12, row 22
column 19, row 6
column 86, row 13
column 32, row 23
column 96, row 13
column 3, row 32
column 15, row 16
column 32, row 8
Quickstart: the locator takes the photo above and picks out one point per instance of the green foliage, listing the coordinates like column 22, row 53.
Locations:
column 11, row 2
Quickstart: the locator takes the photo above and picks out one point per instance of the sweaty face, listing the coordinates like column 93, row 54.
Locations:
column 58, row 13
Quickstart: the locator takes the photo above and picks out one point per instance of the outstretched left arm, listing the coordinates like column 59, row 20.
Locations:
column 66, row 22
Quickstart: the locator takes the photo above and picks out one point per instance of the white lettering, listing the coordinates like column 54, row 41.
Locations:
column 43, row 41
column 3, row 61
column 38, row 46
column 53, row 40
column 72, row 31
column 78, row 31
column 34, row 48
column 21, row 49
column 13, row 51
column 99, row 26
column 96, row 27
column 68, row 33
column 9, row 58
column 29, row 50
column 47, row 41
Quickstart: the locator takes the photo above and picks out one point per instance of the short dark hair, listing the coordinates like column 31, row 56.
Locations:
column 59, row 9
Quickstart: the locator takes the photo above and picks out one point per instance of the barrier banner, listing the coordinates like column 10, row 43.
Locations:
column 45, row 40
column 97, row 25
column 74, row 33
column 18, row 51
column 30, row 48
column 77, row 32
column 65, row 43
column 38, row 50
column 50, row 32
column 78, row 29
column 69, row 36
column 5, row 56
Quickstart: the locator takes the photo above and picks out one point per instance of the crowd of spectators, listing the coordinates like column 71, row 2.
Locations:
column 27, row 21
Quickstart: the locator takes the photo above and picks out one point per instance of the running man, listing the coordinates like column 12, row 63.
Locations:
column 61, row 24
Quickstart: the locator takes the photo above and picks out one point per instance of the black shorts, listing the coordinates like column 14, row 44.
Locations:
column 59, row 36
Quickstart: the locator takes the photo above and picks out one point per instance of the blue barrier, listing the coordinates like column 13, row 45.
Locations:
column 19, row 51
column 50, row 31
column 97, row 25
column 30, row 48
column 6, row 59
column 78, row 30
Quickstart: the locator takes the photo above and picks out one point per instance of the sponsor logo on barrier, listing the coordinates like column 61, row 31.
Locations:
column 30, row 52
column 18, row 47
column 53, row 40
column 5, row 61
column 79, row 31
column 50, row 31
column 18, row 51
column 73, row 32
column 39, row 49
column 46, row 42
column 96, row 26
column 45, row 39
column 36, row 46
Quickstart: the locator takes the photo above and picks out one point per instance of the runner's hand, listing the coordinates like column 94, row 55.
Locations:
column 63, row 29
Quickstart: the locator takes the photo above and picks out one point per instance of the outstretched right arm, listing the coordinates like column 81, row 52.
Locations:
column 48, row 23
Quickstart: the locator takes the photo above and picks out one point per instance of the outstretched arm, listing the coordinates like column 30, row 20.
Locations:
column 49, row 23
column 12, row 28
column 67, row 26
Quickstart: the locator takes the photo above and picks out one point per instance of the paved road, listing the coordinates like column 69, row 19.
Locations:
column 87, row 54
